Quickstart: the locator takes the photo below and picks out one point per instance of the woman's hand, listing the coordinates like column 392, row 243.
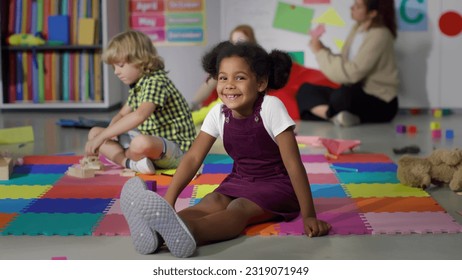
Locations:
column 315, row 227
column 315, row 44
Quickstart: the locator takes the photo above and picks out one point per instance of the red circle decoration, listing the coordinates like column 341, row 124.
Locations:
column 451, row 23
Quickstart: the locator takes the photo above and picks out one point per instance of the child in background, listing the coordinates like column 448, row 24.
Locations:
column 156, row 116
column 268, row 181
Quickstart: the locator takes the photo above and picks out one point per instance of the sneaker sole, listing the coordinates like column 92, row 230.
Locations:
column 161, row 216
column 144, row 238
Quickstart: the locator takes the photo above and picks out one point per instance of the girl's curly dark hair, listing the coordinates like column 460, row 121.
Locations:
column 275, row 65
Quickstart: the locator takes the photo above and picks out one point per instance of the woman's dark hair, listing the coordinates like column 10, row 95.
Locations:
column 386, row 14
column 275, row 65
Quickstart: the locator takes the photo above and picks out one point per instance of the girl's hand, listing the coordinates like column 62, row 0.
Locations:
column 315, row 44
column 315, row 227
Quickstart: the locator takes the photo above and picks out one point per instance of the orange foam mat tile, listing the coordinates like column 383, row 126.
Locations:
column 397, row 204
column 357, row 158
column 264, row 229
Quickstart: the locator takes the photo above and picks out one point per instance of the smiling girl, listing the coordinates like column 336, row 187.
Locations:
column 268, row 181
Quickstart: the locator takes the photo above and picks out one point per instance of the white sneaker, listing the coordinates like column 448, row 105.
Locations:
column 144, row 166
column 346, row 119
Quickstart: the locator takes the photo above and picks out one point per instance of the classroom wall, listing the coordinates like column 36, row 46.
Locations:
column 429, row 60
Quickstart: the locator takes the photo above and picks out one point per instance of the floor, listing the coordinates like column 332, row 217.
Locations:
column 53, row 139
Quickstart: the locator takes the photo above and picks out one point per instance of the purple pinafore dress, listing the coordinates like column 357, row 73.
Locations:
column 258, row 172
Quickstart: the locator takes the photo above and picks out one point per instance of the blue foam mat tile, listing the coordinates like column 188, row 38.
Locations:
column 367, row 167
column 14, row 205
column 327, row 191
column 218, row 168
column 41, row 168
column 69, row 205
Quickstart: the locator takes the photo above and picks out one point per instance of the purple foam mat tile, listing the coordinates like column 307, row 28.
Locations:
column 313, row 158
column 41, row 168
column 294, row 227
column 412, row 222
column 327, row 191
column 112, row 225
column 69, row 205
column 187, row 192
column 335, row 205
column 367, row 167
column 345, row 223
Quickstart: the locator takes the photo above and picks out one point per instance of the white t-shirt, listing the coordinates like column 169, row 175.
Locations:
column 273, row 113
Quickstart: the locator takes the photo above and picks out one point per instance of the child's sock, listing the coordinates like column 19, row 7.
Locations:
column 144, row 166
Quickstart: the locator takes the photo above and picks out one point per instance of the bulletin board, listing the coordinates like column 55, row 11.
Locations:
column 169, row 22
column 427, row 48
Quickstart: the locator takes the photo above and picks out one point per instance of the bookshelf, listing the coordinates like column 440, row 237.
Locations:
column 61, row 76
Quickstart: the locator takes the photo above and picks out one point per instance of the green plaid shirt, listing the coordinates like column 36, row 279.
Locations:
column 172, row 118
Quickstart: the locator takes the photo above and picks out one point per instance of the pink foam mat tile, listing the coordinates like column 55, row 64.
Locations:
column 412, row 222
column 318, row 168
column 112, row 225
column 323, row 178
column 114, row 208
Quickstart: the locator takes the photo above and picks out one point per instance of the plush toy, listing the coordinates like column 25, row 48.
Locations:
column 25, row 40
column 441, row 167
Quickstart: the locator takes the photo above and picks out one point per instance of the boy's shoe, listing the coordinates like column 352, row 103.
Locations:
column 345, row 119
column 143, row 166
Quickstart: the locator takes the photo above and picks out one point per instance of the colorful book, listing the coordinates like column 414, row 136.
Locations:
column 26, row 77
column 41, row 77
column 46, row 14
column 12, row 17
column 98, row 78
column 48, row 92
column 12, row 78
column 58, row 29
column 19, row 76
column 86, row 33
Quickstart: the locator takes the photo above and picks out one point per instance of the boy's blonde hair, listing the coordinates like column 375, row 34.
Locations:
column 133, row 47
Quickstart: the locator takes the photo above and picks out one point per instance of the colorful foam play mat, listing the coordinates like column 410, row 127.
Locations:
column 357, row 193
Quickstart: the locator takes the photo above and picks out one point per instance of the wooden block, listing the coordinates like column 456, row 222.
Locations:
column 80, row 172
column 91, row 162
column 86, row 33
column 6, row 167
column 127, row 173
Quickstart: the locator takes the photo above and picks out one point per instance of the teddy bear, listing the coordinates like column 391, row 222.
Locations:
column 441, row 167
